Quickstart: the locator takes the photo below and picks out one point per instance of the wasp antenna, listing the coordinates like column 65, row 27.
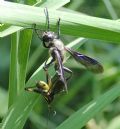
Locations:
column 58, row 24
column 36, row 31
column 47, row 18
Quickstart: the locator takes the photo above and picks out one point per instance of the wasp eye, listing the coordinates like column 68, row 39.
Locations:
column 46, row 38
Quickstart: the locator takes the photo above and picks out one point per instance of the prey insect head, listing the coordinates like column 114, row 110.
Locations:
column 48, row 37
column 41, row 85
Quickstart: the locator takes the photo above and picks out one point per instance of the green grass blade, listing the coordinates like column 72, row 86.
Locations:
column 80, row 25
column 13, row 69
column 23, row 54
column 3, row 102
column 83, row 115
column 39, row 121
column 34, row 57
column 9, row 30
column 110, row 9
column 55, row 4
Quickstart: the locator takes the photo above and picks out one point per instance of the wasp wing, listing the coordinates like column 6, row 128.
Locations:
column 91, row 64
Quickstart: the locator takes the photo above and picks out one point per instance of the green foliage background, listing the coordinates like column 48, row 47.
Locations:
column 92, row 101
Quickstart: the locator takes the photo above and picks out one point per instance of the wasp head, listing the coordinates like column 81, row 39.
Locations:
column 48, row 38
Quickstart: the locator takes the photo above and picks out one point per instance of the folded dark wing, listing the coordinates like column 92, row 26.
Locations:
column 89, row 63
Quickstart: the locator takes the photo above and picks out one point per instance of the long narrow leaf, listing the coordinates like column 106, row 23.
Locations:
column 3, row 102
column 9, row 30
column 83, row 115
column 13, row 69
column 80, row 25
column 23, row 54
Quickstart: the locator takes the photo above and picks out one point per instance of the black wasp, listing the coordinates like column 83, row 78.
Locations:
column 57, row 51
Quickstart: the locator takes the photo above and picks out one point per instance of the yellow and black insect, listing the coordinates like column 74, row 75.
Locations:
column 48, row 90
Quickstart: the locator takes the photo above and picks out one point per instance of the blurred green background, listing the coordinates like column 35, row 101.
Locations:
column 84, row 85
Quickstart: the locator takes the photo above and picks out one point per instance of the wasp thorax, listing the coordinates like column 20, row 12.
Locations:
column 48, row 38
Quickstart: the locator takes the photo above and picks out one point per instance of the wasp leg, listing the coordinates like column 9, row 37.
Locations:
column 45, row 67
column 68, row 71
column 48, row 77
column 34, row 27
